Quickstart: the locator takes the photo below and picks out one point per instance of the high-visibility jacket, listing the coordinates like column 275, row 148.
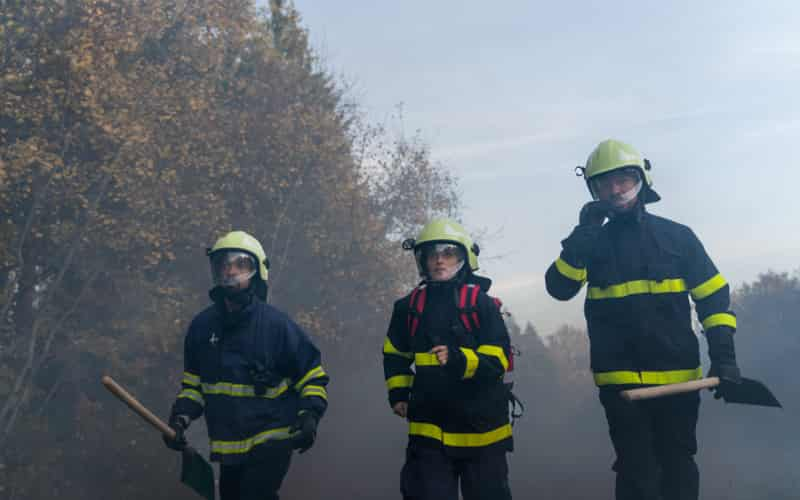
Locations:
column 250, row 379
column 462, row 406
column 640, row 276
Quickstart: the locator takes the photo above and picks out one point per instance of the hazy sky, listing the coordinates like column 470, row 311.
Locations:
column 513, row 95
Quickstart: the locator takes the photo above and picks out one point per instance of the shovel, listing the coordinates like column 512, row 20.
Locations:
column 749, row 391
column 196, row 473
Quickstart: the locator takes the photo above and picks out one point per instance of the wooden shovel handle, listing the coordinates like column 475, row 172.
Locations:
column 137, row 407
column 669, row 389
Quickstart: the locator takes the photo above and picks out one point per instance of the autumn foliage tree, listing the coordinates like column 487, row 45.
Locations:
column 131, row 135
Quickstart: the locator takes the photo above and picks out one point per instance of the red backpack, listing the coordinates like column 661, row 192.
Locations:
column 466, row 301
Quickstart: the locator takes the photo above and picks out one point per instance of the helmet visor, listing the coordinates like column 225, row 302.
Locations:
column 441, row 261
column 619, row 186
column 229, row 268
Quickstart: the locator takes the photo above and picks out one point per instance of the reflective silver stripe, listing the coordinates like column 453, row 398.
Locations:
column 245, row 445
column 313, row 373
column 190, row 379
column 193, row 395
column 242, row 390
column 314, row 390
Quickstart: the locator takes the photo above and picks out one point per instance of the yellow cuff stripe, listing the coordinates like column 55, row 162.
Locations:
column 191, row 379
column 472, row 362
column 493, row 350
column 425, row 359
column 399, row 382
column 313, row 373
column 570, row 272
column 389, row 348
column 725, row 319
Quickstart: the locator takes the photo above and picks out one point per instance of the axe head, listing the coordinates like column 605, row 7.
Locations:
column 750, row 392
column 198, row 474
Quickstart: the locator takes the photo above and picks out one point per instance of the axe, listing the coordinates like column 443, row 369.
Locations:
column 749, row 391
column 196, row 473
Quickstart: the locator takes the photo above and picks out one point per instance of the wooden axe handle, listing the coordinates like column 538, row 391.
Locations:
column 669, row 389
column 137, row 407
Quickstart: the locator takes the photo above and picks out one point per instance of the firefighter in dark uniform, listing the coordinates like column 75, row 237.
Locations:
column 454, row 399
column 640, row 270
column 253, row 373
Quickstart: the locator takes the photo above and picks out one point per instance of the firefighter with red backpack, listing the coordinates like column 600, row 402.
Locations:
column 454, row 398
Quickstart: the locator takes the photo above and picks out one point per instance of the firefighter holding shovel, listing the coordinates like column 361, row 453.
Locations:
column 640, row 269
column 253, row 373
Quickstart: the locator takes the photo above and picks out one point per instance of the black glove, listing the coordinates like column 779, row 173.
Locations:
column 595, row 213
column 722, row 352
column 456, row 362
column 579, row 244
column 729, row 376
column 178, row 423
column 306, row 427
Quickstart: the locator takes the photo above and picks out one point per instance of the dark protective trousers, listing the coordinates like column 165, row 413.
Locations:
column 655, row 442
column 429, row 474
column 255, row 481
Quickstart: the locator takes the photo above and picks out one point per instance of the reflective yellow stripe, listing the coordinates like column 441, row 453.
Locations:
column 570, row 272
column 648, row 377
column 312, row 373
column 314, row 390
column 726, row 319
column 464, row 440
column 242, row 390
column 709, row 287
column 389, row 348
column 245, row 445
column 472, row 362
column 676, row 285
column 399, row 382
column 425, row 359
column 493, row 350
column 193, row 395
column 191, row 379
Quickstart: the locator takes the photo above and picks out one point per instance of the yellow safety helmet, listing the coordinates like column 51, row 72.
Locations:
column 444, row 230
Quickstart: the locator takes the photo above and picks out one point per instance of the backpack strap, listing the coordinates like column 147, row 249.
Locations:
column 415, row 307
column 467, row 299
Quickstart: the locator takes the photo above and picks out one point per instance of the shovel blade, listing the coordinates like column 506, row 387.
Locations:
column 750, row 392
column 198, row 474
